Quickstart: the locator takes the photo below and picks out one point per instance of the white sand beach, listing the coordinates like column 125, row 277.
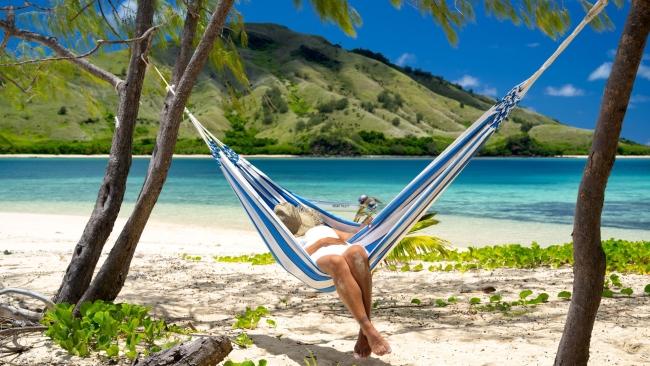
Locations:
column 208, row 294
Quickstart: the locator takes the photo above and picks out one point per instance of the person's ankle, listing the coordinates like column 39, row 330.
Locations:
column 365, row 324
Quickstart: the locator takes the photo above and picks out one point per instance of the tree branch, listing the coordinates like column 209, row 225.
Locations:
column 22, row 313
column 110, row 26
column 28, row 293
column 55, row 46
column 26, row 4
column 88, row 4
column 72, row 56
column 14, row 82
column 14, row 331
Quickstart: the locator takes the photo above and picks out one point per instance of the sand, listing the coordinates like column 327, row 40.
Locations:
column 208, row 294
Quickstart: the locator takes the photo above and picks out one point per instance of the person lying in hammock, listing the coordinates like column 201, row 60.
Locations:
column 348, row 266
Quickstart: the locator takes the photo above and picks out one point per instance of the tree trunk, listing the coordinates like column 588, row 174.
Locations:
column 110, row 279
column 111, row 193
column 589, row 258
column 207, row 351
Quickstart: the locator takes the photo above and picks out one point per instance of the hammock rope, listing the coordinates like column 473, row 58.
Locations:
column 258, row 194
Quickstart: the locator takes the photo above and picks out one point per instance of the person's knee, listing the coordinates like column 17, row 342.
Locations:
column 356, row 253
column 336, row 265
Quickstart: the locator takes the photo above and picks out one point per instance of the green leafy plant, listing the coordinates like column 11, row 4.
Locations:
column 440, row 303
column 627, row 291
column 188, row 257
column 246, row 363
column 243, row 340
column 101, row 325
column 254, row 259
column 250, row 318
column 607, row 293
column 646, row 289
column 566, row 295
column 622, row 256
column 416, row 301
column 311, row 359
column 497, row 303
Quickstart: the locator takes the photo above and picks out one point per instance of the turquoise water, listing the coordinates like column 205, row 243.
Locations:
column 542, row 190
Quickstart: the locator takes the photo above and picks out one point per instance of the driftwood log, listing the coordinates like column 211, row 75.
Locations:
column 205, row 351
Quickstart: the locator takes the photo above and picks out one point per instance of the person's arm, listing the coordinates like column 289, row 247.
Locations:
column 323, row 242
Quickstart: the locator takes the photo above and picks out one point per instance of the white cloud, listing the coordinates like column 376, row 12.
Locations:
column 639, row 98
column 127, row 9
column 612, row 53
column 405, row 58
column 601, row 72
column 468, row 81
column 532, row 44
column 566, row 90
column 489, row 91
column 644, row 72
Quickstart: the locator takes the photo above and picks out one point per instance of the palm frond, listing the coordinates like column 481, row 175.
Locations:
column 411, row 247
column 423, row 224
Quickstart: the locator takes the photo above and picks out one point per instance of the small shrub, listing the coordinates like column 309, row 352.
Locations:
column 250, row 318
column 390, row 101
column 62, row 111
column 368, row 106
column 107, row 327
column 395, row 121
column 268, row 119
column 273, row 101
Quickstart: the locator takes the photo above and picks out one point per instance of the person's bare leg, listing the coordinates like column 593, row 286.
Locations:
column 350, row 293
column 357, row 260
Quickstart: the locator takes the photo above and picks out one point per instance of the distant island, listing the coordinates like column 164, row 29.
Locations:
column 306, row 96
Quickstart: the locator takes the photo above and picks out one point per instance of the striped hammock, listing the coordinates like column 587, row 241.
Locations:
column 259, row 194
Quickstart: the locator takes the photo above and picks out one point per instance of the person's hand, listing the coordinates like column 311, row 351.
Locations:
column 367, row 221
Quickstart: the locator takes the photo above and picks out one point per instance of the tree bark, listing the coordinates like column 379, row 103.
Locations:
column 589, row 258
column 202, row 352
column 111, row 193
column 110, row 279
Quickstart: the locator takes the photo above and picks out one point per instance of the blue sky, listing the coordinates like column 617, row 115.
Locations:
column 490, row 58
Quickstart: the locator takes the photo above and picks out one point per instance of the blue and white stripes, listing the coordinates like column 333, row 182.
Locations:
column 259, row 195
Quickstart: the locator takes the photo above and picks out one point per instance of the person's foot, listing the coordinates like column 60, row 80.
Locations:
column 377, row 343
column 362, row 348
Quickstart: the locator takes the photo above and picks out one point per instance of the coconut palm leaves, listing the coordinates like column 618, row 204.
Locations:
column 413, row 245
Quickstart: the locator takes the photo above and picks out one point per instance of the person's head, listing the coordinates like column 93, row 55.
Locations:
column 362, row 199
column 297, row 220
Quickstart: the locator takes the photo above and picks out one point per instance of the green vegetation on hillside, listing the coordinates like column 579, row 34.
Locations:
column 306, row 96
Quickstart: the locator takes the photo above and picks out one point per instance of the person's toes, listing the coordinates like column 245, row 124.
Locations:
column 362, row 348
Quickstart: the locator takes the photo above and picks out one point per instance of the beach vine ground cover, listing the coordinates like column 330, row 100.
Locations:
column 109, row 328
column 622, row 256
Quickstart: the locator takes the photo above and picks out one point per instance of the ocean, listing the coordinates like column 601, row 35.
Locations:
column 515, row 189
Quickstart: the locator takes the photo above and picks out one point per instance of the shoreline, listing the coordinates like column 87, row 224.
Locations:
column 287, row 156
column 60, row 231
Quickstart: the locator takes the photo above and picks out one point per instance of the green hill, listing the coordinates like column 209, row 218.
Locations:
column 306, row 96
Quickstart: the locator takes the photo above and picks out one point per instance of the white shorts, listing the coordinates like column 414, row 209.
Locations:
column 322, row 231
column 336, row 249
